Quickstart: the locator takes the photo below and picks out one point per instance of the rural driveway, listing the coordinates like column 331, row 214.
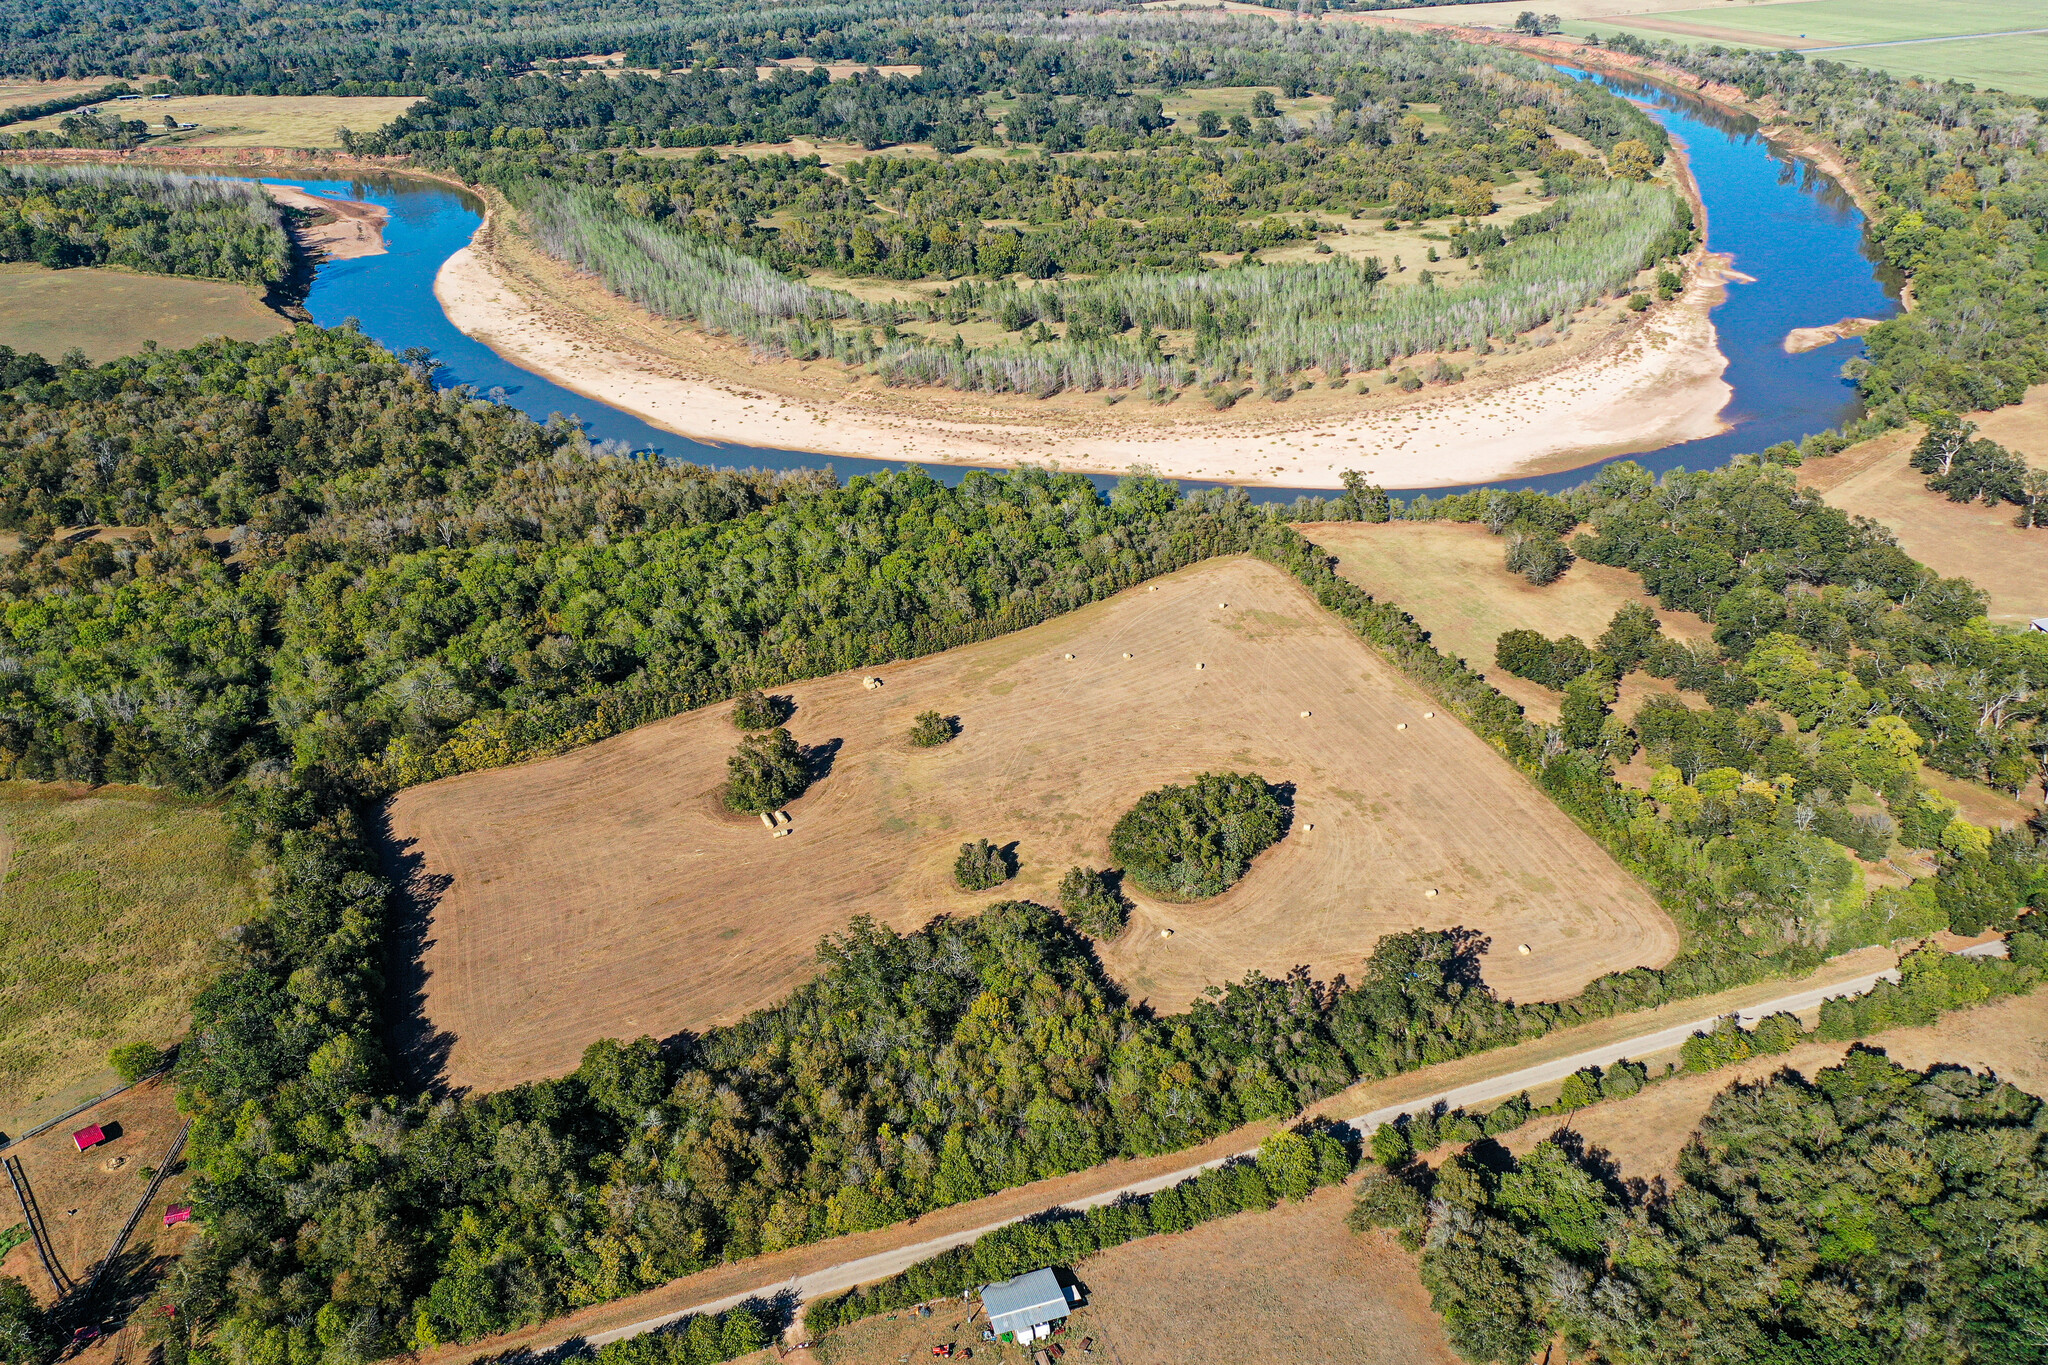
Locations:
column 846, row 1274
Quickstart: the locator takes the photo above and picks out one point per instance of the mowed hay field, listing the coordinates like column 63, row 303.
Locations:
column 113, row 900
column 1289, row 1285
column 1876, row 480
column 109, row 313
column 606, row 892
column 254, row 120
column 1451, row 578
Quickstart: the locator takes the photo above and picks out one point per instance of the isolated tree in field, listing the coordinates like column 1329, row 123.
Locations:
column 1187, row 843
column 1528, row 22
column 756, row 710
column 931, row 729
column 133, row 1061
column 1209, row 123
column 1537, row 556
column 1091, row 904
column 981, row 866
column 768, row 771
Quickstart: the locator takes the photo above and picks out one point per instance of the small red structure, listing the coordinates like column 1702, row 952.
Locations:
column 176, row 1214
column 91, row 1136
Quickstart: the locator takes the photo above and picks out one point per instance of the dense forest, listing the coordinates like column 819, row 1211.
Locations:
column 62, row 216
column 416, row 582
column 1872, row 1213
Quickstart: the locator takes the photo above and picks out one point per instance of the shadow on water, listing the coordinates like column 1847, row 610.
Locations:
column 1786, row 224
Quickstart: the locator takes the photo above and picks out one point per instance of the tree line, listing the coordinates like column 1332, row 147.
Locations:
column 168, row 224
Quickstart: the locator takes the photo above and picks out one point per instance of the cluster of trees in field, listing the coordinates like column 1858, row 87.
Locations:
column 62, row 216
column 415, row 583
column 1837, row 666
column 1959, row 184
column 1190, row 843
column 1971, row 468
column 1872, row 1212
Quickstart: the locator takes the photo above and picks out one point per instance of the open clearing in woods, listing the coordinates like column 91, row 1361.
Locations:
column 113, row 901
column 606, row 892
column 109, row 313
column 1450, row 576
column 1874, row 479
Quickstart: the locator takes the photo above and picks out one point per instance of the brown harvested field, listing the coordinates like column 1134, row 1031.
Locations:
column 605, row 892
column 1290, row 1285
column 256, row 120
column 108, row 313
column 1450, row 577
column 1979, row 543
column 85, row 1197
column 1645, row 1133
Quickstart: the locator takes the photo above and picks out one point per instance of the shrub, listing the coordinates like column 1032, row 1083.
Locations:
column 1188, row 843
column 1092, row 904
column 981, row 866
column 931, row 729
column 1553, row 663
column 1638, row 302
column 133, row 1061
column 756, row 710
column 768, row 771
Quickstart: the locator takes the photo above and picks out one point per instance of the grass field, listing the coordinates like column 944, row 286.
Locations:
column 107, row 313
column 112, row 901
column 1904, row 37
column 256, row 120
column 1977, row 542
column 606, row 892
column 1450, row 577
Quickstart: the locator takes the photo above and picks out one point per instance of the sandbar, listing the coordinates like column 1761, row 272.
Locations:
column 1656, row 382
column 349, row 228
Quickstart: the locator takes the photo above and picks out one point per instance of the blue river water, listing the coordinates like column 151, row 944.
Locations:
column 1784, row 222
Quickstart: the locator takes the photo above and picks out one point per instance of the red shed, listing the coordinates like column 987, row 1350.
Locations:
column 91, row 1136
column 176, row 1214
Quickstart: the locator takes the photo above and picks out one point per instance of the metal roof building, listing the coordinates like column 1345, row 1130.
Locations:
column 1025, row 1308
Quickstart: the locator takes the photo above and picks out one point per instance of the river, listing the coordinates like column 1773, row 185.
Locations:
column 1785, row 223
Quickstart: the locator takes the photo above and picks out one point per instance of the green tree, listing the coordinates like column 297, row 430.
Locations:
column 25, row 1334
column 1632, row 634
column 1189, row 843
column 981, row 866
column 133, row 1061
column 755, row 710
column 1092, row 904
column 624, row 1079
column 768, row 772
column 930, row 729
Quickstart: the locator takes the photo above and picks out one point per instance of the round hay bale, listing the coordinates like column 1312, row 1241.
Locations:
column 1201, row 665
column 1220, row 606
column 1523, row 950
column 1429, row 715
column 1166, row 933
column 1431, row 893
column 1127, row 654
column 1306, row 714
column 1402, row 726
column 1070, row 656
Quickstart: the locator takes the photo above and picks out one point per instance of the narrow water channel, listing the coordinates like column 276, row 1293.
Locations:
column 1786, row 224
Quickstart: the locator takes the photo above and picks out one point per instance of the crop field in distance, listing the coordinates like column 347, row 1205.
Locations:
column 607, row 892
column 254, row 120
column 108, row 313
column 113, row 900
column 1905, row 37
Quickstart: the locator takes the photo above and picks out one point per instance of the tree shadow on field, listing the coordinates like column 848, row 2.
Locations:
column 419, row 1051
column 1283, row 792
column 819, row 758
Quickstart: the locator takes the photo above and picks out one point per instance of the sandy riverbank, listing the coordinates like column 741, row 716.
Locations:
column 1651, row 385
column 346, row 229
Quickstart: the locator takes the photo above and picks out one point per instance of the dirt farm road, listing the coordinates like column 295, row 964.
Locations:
column 846, row 1274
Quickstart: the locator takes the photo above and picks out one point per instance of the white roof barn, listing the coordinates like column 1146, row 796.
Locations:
column 1025, row 1308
